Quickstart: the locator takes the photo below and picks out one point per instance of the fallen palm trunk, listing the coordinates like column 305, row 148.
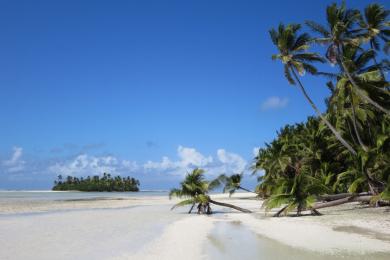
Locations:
column 229, row 206
column 354, row 198
column 333, row 197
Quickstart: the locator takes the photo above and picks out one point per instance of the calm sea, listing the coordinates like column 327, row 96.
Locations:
column 73, row 195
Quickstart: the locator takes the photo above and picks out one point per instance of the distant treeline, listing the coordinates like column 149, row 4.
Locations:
column 96, row 183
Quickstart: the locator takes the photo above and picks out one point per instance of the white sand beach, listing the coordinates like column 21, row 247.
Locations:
column 145, row 228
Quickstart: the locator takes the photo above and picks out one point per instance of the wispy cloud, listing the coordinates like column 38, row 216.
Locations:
column 15, row 163
column 85, row 164
column 274, row 103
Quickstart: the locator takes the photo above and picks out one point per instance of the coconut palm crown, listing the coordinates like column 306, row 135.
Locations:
column 339, row 33
column 376, row 25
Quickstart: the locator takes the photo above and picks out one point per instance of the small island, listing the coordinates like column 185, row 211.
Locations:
column 96, row 183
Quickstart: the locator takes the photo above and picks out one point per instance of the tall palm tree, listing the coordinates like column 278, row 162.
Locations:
column 344, row 98
column 194, row 188
column 292, row 52
column 231, row 183
column 340, row 21
column 376, row 27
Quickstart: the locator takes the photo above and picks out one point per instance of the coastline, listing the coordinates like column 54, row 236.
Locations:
column 144, row 228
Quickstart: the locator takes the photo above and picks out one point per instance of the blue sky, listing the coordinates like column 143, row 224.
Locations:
column 142, row 88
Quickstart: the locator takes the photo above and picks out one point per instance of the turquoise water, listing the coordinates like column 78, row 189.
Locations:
column 73, row 195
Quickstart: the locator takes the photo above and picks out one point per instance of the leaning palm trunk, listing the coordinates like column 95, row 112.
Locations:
column 245, row 189
column 375, row 61
column 229, row 206
column 192, row 207
column 277, row 214
column 375, row 186
column 334, row 131
column 355, row 126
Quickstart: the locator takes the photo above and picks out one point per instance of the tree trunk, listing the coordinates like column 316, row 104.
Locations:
column 315, row 212
column 355, row 125
column 334, row 131
column 375, row 62
column 350, row 132
column 192, row 207
column 333, row 203
column 354, row 198
column 229, row 206
column 245, row 189
column 365, row 198
column 333, row 197
column 277, row 214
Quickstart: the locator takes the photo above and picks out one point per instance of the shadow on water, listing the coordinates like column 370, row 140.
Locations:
column 232, row 240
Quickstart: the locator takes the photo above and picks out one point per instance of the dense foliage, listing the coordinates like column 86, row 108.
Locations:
column 347, row 148
column 96, row 183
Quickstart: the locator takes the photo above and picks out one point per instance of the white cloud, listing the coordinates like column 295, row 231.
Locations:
column 15, row 163
column 130, row 165
column 165, row 164
column 255, row 151
column 190, row 158
column 274, row 103
column 93, row 165
column 231, row 161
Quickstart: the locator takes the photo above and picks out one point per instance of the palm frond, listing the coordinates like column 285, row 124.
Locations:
column 276, row 201
column 318, row 28
column 288, row 76
column 184, row 203
column 175, row 193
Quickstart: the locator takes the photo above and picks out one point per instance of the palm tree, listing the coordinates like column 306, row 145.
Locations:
column 341, row 21
column 194, row 188
column 231, row 183
column 345, row 99
column 297, row 192
column 292, row 53
column 376, row 27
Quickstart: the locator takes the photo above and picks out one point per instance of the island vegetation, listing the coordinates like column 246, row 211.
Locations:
column 96, row 183
column 340, row 155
